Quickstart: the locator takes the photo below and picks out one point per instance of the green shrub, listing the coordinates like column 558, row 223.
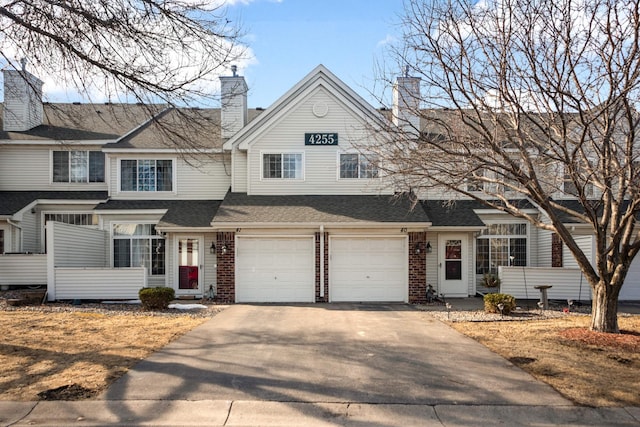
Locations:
column 491, row 302
column 156, row 298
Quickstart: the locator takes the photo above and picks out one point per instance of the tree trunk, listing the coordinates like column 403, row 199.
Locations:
column 604, row 309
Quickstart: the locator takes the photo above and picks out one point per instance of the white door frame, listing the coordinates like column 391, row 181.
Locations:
column 466, row 258
column 176, row 263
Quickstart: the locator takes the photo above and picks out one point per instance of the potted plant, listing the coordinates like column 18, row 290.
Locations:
column 490, row 280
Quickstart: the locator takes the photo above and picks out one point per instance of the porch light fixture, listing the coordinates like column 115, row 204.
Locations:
column 224, row 249
column 212, row 248
column 420, row 246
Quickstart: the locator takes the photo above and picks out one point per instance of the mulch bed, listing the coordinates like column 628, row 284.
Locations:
column 625, row 340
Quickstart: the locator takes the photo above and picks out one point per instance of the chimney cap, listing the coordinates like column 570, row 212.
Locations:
column 23, row 64
column 234, row 70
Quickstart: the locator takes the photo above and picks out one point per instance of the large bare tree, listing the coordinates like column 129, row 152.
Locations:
column 165, row 51
column 529, row 99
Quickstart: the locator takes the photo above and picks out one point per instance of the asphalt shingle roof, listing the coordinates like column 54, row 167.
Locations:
column 180, row 213
column 460, row 213
column 241, row 208
column 85, row 122
column 13, row 201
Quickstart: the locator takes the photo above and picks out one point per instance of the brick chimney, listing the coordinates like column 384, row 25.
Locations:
column 22, row 100
column 406, row 103
column 233, row 94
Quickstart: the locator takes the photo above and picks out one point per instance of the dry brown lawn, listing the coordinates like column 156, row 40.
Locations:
column 75, row 355
column 589, row 368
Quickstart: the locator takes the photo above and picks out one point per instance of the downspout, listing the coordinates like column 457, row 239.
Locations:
column 321, row 261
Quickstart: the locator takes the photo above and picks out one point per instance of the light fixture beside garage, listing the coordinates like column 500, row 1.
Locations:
column 420, row 247
column 223, row 248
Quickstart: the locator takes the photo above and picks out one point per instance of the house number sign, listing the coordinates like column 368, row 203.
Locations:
column 320, row 139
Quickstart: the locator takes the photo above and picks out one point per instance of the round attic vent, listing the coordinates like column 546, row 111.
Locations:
column 320, row 109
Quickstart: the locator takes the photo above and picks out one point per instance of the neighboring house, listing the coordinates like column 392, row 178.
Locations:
column 275, row 205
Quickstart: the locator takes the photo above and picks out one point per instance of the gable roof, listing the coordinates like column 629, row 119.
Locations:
column 84, row 122
column 239, row 208
column 12, row 202
column 318, row 77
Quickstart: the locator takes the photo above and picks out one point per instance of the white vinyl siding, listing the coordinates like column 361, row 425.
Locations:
column 23, row 269
column 207, row 179
column 320, row 162
column 78, row 246
column 25, row 168
column 239, row 184
column 105, row 283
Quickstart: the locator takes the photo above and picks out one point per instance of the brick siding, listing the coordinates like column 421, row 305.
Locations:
column 325, row 298
column 226, row 280
column 417, row 269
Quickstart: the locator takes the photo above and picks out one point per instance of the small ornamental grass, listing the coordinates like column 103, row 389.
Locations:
column 156, row 298
column 491, row 302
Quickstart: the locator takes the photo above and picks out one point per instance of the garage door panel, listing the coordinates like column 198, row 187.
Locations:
column 368, row 269
column 275, row 270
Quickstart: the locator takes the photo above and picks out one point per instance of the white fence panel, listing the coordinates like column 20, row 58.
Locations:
column 567, row 283
column 23, row 269
column 99, row 283
column 78, row 246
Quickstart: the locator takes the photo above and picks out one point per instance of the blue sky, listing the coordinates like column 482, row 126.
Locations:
column 286, row 39
column 290, row 37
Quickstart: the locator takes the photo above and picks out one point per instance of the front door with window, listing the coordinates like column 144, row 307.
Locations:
column 189, row 266
column 454, row 265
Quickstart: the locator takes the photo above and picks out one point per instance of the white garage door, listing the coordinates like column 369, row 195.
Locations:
column 275, row 269
column 368, row 269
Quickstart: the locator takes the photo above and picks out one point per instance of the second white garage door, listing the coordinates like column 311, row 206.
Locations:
column 368, row 269
column 275, row 269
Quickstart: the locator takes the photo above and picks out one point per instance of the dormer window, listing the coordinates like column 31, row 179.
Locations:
column 78, row 166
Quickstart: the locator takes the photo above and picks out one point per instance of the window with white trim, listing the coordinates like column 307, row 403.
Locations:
column 138, row 245
column 146, row 175
column 72, row 218
column 569, row 187
column 356, row 165
column 498, row 243
column 78, row 166
column 282, row 166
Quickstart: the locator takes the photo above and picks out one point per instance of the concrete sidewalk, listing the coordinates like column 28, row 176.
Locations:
column 261, row 413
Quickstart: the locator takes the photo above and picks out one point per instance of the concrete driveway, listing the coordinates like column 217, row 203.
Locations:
column 326, row 353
